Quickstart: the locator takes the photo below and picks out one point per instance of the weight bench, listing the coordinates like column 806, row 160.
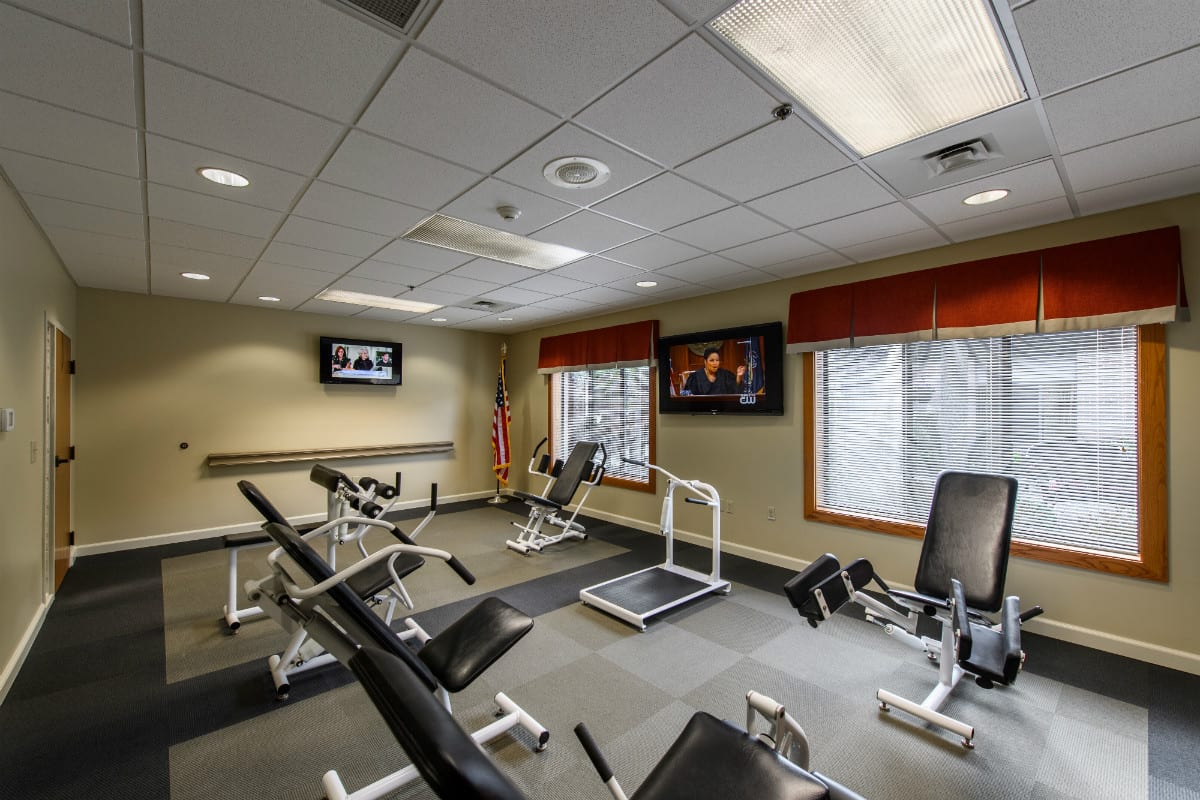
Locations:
column 449, row 662
column 710, row 759
column 960, row 580
column 562, row 482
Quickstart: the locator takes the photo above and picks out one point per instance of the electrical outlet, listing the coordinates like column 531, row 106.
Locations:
column 771, row 513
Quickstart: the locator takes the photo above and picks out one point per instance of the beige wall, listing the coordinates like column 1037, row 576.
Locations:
column 34, row 288
column 1106, row 610
column 155, row 372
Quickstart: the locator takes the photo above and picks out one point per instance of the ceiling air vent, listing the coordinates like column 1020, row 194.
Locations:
column 958, row 156
column 396, row 13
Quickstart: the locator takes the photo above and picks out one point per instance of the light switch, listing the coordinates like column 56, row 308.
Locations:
column 8, row 419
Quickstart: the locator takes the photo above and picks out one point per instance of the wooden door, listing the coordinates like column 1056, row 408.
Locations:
column 62, row 456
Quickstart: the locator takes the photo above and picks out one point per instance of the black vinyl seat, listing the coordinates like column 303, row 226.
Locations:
column 577, row 469
column 582, row 468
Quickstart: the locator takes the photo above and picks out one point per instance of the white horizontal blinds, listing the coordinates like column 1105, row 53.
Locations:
column 610, row 406
column 1056, row 411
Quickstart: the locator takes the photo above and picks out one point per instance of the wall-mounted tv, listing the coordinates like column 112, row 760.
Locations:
column 343, row 360
column 728, row 371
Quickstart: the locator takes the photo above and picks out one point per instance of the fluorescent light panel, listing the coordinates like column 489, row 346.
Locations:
column 376, row 301
column 478, row 240
column 878, row 74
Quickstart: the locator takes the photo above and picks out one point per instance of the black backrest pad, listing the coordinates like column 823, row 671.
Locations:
column 351, row 612
column 327, row 478
column 447, row 758
column 967, row 537
column 577, row 468
column 260, row 502
column 712, row 758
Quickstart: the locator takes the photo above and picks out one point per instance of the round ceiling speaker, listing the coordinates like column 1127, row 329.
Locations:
column 576, row 172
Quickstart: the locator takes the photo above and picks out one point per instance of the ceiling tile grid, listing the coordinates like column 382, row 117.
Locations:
column 352, row 133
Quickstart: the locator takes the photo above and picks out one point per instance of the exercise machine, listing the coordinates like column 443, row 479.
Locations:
column 638, row 596
column 710, row 759
column 960, row 580
column 562, row 482
column 334, row 615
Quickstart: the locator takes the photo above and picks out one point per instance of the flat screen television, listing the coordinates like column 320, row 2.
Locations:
column 728, row 371
column 363, row 361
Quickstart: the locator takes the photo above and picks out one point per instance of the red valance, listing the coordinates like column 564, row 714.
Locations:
column 618, row 346
column 1134, row 279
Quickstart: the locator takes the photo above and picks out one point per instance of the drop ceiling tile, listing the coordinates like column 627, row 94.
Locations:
column 76, row 246
column 459, row 285
column 414, row 107
column 295, row 256
column 807, row 265
column 51, row 211
column 508, row 294
column 282, row 275
column 725, row 229
column 700, row 10
column 738, row 280
column 551, row 285
column 492, row 324
column 211, row 240
column 606, row 296
column 1028, row 184
column 663, row 202
column 332, row 309
column 44, row 130
column 653, row 252
column 1164, row 150
column 1084, row 117
column 392, row 273
column 596, row 269
column 780, row 154
column 537, row 50
column 165, row 280
column 286, row 52
column 36, row 175
column 422, row 256
column 372, row 165
column 108, row 18
column 479, row 205
column 865, row 226
column 894, row 245
column 192, row 108
column 495, row 272
column 382, row 288
column 667, row 286
column 335, row 238
column 193, row 208
column 1068, row 43
column 449, row 315
column 111, row 273
column 702, row 269
column 175, row 164
column 424, row 295
column 1005, row 220
column 591, row 232
column 566, row 304
column 1146, row 190
column 388, row 315
column 181, row 258
column 773, row 250
column 96, row 78
column 843, row 192
column 569, row 140
column 330, row 203
column 655, row 112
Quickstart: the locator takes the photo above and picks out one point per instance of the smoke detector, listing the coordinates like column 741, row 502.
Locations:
column 576, row 172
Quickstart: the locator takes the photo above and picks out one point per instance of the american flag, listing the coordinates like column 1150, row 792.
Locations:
column 501, row 421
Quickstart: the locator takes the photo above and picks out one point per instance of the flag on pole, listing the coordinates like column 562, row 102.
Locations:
column 501, row 421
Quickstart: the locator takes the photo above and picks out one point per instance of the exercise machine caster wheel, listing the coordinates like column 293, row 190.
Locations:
column 543, row 740
column 281, row 693
column 968, row 744
column 884, row 707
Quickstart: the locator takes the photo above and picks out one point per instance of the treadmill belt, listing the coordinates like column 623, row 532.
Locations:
column 646, row 591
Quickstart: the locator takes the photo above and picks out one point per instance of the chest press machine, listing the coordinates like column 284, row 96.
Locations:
column 562, row 482
column 960, row 580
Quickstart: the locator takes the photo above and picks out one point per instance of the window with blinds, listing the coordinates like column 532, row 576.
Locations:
column 610, row 406
column 1058, row 412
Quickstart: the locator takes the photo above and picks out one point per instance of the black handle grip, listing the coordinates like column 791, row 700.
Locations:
column 1036, row 611
column 539, row 444
column 403, row 537
column 462, row 570
column 593, row 752
column 697, row 501
column 632, row 461
column 433, row 497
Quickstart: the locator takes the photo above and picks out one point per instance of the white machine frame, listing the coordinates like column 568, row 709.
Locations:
column 531, row 538
column 707, row 495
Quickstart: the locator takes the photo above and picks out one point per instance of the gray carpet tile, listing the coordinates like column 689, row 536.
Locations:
column 730, row 625
column 1085, row 761
column 674, row 660
column 1103, row 712
column 1165, row 790
column 840, row 666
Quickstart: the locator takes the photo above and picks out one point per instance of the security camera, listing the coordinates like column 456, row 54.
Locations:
column 782, row 112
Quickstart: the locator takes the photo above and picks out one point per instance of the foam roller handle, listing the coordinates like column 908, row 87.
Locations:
column 433, row 497
column 371, row 509
column 593, row 752
column 461, row 569
column 697, row 501
column 633, row 461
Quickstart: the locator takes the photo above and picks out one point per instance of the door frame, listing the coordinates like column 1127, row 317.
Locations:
column 49, row 445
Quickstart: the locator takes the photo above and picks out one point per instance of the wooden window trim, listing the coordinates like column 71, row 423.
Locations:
column 1150, row 564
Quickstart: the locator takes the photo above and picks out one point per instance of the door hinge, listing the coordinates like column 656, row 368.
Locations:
column 71, row 366
column 71, row 538
column 71, row 453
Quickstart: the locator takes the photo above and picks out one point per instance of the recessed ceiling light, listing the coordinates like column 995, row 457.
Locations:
column 990, row 196
column 479, row 240
column 576, row 172
column 647, row 284
column 438, row 319
column 505, row 319
column 878, row 74
column 223, row 177
column 266, row 298
column 376, row 301
column 194, row 276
